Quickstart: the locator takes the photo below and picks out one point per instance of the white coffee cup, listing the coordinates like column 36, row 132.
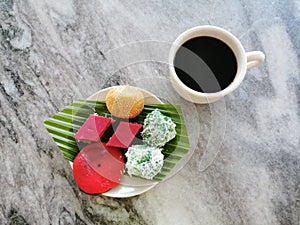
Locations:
column 245, row 60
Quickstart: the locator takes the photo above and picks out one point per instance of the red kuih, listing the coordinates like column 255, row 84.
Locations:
column 124, row 135
column 93, row 128
column 98, row 168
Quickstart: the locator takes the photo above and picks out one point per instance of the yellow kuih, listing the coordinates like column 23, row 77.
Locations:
column 125, row 102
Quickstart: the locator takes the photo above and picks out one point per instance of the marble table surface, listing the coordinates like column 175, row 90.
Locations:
column 246, row 163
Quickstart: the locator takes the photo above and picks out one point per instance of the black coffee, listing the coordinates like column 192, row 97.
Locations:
column 205, row 64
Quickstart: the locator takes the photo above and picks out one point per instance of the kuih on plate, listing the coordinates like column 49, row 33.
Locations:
column 63, row 125
column 98, row 168
column 93, row 128
column 124, row 134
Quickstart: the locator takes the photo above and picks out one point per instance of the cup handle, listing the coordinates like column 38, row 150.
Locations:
column 254, row 58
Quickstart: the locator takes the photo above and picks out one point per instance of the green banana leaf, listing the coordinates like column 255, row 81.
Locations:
column 63, row 125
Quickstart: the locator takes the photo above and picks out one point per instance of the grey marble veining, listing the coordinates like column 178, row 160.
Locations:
column 246, row 164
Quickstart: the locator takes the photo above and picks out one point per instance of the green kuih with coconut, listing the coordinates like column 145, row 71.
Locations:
column 158, row 129
column 144, row 161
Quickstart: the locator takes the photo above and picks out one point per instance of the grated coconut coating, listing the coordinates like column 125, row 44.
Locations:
column 144, row 161
column 158, row 129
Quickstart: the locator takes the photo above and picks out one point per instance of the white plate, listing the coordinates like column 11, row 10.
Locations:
column 129, row 186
